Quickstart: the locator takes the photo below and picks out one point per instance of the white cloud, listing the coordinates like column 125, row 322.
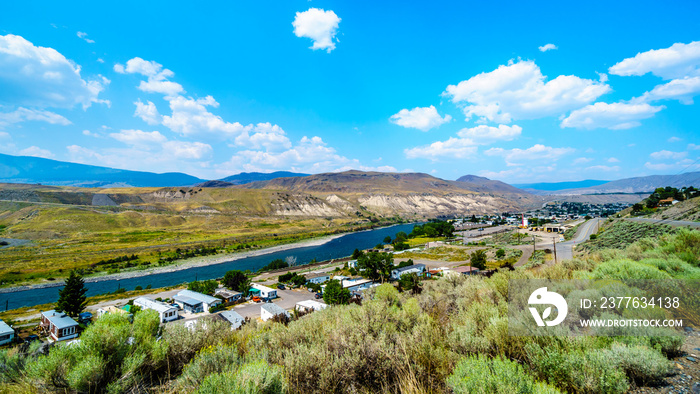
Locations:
column 458, row 148
column 190, row 117
column 157, row 77
column 138, row 138
column 666, row 155
column 582, row 160
column 42, row 77
column 519, row 91
column 187, row 150
column 310, row 155
column 678, row 165
column 603, row 168
column 682, row 90
column 148, row 112
column 536, row 152
column 36, row 152
column 613, row 160
column 548, row 47
column 319, row 25
column 421, row 118
column 90, row 134
column 265, row 135
column 615, row 116
column 486, row 134
column 83, row 35
column 22, row 114
column 693, row 147
column 678, row 61
column 674, row 139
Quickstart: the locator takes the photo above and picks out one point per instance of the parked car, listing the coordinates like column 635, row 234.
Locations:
column 31, row 338
column 281, row 287
column 317, row 296
column 256, row 299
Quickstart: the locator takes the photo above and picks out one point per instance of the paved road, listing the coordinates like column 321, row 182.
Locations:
column 675, row 223
column 565, row 250
column 287, row 300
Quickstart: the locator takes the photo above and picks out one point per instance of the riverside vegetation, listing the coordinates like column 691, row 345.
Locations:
column 450, row 337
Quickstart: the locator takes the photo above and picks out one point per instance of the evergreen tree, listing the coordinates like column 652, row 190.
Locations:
column 72, row 299
column 478, row 259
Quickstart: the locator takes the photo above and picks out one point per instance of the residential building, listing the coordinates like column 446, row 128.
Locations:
column 228, row 295
column 110, row 309
column 340, row 277
column 357, row 284
column 310, row 306
column 7, row 333
column 264, row 291
column 206, row 300
column 188, row 304
column 270, row 310
column 167, row 312
column 417, row 268
column 58, row 325
column 317, row 277
column 234, row 318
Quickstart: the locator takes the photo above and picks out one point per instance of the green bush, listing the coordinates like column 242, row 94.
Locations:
column 479, row 374
column 254, row 378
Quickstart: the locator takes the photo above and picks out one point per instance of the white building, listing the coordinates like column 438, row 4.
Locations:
column 265, row 292
column 317, row 277
column 357, row 284
column 417, row 268
column 234, row 318
column 270, row 310
column 7, row 333
column 167, row 312
column 207, row 301
column 228, row 295
column 310, row 306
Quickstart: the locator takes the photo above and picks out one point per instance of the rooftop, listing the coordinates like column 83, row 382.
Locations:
column 5, row 329
column 316, row 275
column 187, row 300
column 410, row 267
column 312, row 304
column 198, row 296
column 59, row 319
column 273, row 308
column 465, row 269
column 160, row 307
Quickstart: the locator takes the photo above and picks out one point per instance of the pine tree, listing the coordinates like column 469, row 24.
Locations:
column 72, row 299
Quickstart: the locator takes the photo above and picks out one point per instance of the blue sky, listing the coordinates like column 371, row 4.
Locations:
column 512, row 91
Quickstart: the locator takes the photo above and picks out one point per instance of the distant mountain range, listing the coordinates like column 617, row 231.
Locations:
column 247, row 177
column 638, row 184
column 553, row 186
column 25, row 169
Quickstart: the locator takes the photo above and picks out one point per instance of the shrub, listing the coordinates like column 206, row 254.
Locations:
column 253, row 378
column 479, row 374
column 642, row 365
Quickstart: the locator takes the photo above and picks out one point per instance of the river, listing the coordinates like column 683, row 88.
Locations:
column 336, row 248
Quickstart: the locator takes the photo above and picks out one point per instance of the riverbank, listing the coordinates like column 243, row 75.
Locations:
column 185, row 264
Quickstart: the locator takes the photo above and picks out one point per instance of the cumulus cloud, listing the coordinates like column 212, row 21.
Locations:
column 678, row 61
column 264, row 135
column 421, row 118
column 318, row 25
column 36, row 152
column 187, row 150
column 157, row 77
column 22, row 114
column 582, row 160
column 519, row 91
column 485, row 134
column 666, row 155
column 190, row 117
column 613, row 160
column 615, row 116
column 139, row 138
column 148, row 112
column 41, row 77
column 674, row 139
column 536, row 152
column 678, row 165
column 548, row 47
column 683, row 90
column 458, row 148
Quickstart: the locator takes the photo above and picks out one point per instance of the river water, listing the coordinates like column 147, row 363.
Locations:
column 336, row 248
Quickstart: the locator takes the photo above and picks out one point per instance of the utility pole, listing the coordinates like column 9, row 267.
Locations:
column 555, row 250
column 533, row 244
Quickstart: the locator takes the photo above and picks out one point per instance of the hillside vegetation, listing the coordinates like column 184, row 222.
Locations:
column 451, row 337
